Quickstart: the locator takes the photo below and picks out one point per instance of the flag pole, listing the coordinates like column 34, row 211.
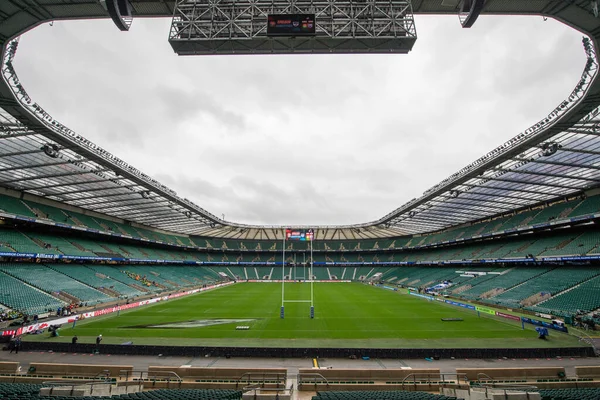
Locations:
column 283, row 272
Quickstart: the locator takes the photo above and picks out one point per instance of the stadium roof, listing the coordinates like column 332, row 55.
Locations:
column 557, row 157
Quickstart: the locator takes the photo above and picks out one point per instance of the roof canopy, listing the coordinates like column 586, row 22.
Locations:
column 555, row 158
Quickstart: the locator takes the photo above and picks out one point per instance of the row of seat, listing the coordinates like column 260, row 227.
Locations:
column 378, row 395
column 570, row 394
column 26, row 391
column 559, row 210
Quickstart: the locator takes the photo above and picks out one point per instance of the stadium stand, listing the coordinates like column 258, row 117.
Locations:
column 51, row 281
column 570, row 394
column 17, row 295
column 550, row 282
column 554, row 212
column 378, row 395
column 583, row 297
column 503, row 281
column 30, row 391
column 95, row 279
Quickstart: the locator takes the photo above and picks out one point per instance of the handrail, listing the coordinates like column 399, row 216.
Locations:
column 163, row 373
column 586, row 338
column 428, row 376
column 312, row 374
column 262, row 377
column 479, row 374
column 511, row 388
column 73, row 384
column 140, row 376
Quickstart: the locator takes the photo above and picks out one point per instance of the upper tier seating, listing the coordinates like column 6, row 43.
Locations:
column 538, row 215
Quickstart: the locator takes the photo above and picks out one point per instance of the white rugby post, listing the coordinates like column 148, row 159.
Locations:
column 282, row 312
column 311, row 300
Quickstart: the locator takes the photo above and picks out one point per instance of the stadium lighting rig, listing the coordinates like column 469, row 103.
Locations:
column 285, row 27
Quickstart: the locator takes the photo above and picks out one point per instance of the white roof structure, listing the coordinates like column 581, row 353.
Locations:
column 553, row 159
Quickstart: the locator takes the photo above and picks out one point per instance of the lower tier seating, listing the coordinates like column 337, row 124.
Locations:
column 19, row 296
column 379, row 395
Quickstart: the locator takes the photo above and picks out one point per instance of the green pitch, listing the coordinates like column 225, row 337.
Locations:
column 346, row 315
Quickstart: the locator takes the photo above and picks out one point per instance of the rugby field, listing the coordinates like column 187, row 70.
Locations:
column 346, row 315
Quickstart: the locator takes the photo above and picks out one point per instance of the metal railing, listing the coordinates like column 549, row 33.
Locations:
column 505, row 390
column 304, row 378
column 441, row 380
column 256, row 390
column 77, row 384
column 170, row 377
column 262, row 378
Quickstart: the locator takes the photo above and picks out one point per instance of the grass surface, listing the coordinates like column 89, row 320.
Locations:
column 346, row 315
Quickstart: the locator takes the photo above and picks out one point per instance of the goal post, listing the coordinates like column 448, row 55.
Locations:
column 299, row 235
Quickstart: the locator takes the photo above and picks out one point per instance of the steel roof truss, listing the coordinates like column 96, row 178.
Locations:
column 32, row 178
column 528, row 172
column 96, row 189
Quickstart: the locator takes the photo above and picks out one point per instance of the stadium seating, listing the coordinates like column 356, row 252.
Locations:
column 18, row 296
column 570, row 394
column 582, row 244
column 507, row 280
column 51, row 281
column 15, row 206
column 550, row 282
column 20, row 243
column 585, row 297
column 95, row 279
column 591, row 205
column 29, row 391
column 569, row 209
column 378, row 395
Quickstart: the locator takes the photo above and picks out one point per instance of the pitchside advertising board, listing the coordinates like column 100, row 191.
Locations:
column 291, row 25
column 303, row 235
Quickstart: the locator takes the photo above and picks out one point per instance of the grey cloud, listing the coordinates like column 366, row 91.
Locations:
column 319, row 139
column 180, row 105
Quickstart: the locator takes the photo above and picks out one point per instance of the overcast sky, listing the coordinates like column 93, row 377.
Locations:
column 299, row 139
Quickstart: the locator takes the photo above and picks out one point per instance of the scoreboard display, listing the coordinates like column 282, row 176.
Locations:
column 299, row 234
column 291, row 25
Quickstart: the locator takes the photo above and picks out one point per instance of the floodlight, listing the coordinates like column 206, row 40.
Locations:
column 51, row 150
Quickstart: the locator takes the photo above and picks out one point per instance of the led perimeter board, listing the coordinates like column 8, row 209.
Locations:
column 291, row 25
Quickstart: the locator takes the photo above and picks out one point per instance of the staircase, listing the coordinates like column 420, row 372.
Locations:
column 491, row 293
column 536, row 298
column 461, row 289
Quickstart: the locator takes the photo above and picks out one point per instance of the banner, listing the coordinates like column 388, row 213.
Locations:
column 507, row 316
column 485, row 310
column 423, row 296
column 463, row 305
column 545, row 324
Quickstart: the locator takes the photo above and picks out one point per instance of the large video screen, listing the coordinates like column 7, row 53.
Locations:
column 299, row 234
column 291, row 25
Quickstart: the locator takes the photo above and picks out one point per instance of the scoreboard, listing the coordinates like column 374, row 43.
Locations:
column 302, row 235
column 291, row 25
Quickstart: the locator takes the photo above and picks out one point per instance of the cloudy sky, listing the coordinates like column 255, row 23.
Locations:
column 331, row 139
